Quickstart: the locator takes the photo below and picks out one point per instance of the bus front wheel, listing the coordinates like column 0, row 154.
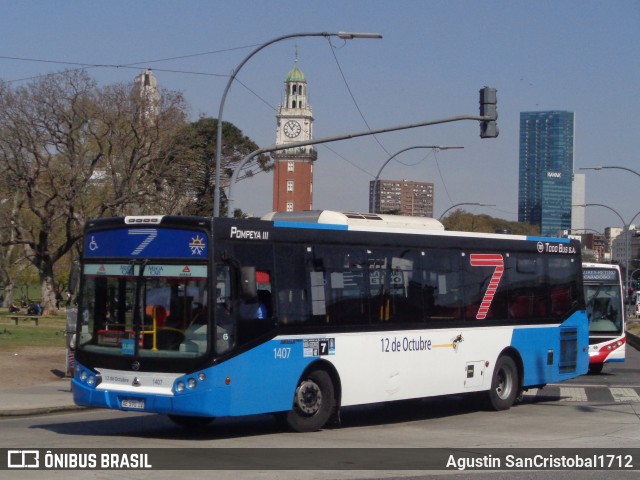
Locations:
column 313, row 402
column 504, row 384
column 595, row 368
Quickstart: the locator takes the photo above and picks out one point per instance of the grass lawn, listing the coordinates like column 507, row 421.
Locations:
column 50, row 332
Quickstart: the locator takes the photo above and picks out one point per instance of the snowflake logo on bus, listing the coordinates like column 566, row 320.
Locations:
column 197, row 245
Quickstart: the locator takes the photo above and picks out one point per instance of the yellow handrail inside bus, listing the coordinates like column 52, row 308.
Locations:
column 154, row 323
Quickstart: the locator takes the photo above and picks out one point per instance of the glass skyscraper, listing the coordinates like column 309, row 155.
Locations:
column 546, row 170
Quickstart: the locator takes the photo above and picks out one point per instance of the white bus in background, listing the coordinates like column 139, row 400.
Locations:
column 604, row 298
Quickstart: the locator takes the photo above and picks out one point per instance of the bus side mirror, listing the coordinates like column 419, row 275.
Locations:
column 248, row 287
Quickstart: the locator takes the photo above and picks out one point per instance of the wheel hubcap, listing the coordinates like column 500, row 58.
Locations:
column 503, row 388
column 309, row 397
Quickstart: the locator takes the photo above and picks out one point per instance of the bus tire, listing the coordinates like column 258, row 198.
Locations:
column 313, row 402
column 595, row 368
column 505, row 384
column 192, row 422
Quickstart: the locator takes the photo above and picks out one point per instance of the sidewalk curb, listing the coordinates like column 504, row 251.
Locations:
column 41, row 399
column 28, row 412
column 633, row 340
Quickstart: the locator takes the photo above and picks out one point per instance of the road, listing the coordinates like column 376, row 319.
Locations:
column 545, row 419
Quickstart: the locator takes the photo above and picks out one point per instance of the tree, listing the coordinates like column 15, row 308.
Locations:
column 463, row 221
column 69, row 151
column 192, row 157
column 11, row 262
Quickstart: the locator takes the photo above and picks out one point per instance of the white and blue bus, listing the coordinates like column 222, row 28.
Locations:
column 605, row 303
column 303, row 313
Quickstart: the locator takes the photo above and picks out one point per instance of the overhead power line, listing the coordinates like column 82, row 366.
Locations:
column 132, row 65
column 139, row 64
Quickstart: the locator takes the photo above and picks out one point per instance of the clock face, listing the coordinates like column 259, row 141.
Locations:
column 292, row 129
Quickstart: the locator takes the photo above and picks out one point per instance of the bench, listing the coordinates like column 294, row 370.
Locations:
column 15, row 317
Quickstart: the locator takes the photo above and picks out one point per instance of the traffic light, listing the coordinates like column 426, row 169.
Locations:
column 488, row 108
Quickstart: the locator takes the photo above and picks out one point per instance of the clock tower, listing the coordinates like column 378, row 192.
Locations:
column 293, row 167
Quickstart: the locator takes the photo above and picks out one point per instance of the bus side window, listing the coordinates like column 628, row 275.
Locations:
column 344, row 280
column 441, row 285
column 291, row 295
column 251, row 309
column 394, row 294
column 560, row 300
column 563, row 286
column 528, row 295
column 293, row 306
column 255, row 300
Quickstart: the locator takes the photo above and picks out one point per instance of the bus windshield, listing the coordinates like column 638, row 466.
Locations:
column 154, row 310
column 603, row 308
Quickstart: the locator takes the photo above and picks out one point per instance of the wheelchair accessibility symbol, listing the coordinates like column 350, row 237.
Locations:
column 93, row 245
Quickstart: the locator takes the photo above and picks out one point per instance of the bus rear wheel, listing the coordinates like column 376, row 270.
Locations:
column 505, row 384
column 313, row 402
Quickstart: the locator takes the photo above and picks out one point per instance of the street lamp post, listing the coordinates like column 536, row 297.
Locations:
column 375, row 182
column 600, row 167
column 625, row 228
column 464, row 203
column 629, row 242
column 234, row 73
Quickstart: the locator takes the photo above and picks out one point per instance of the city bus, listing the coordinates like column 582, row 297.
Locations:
column 604, row 299
column 356, row 309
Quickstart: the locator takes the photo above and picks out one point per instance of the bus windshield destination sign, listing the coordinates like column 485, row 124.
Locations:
column 146, row 243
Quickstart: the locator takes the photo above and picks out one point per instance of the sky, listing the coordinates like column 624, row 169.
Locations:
column 435, row 55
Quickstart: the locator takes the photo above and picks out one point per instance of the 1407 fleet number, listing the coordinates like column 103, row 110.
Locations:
column 282, row 353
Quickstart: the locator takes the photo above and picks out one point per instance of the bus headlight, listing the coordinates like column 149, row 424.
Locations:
column 180, row 387
column 191, row 383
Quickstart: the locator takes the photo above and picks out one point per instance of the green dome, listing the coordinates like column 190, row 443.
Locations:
column 295, row 75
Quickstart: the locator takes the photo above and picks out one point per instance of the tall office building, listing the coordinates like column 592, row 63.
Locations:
column 546, row 170
column 403, row 197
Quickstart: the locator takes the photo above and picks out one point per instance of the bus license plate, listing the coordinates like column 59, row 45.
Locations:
column 133, row 403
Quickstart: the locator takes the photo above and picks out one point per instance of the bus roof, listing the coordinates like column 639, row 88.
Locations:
column 374, row 222
column 608, row 266
column 357, row 221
